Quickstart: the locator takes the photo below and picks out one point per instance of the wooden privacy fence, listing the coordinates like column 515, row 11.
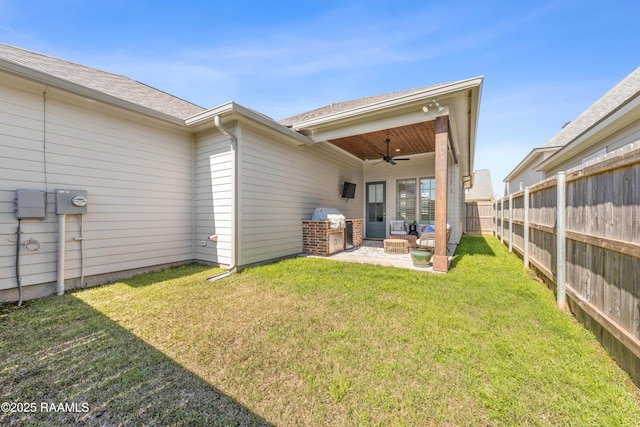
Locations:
column 479, row 217
column 589, row 247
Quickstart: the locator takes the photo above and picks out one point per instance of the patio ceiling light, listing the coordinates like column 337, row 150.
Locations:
column 433, row 103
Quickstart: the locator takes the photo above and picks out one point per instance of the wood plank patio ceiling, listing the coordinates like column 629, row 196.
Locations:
column 412, row 139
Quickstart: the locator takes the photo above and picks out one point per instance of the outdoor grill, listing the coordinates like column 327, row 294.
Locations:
column 333, row 215
column 328, row 232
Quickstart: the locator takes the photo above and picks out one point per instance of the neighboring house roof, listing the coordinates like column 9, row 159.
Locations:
column 482, row 188
column 20, row 61
column 610, row 102
column 616, row 109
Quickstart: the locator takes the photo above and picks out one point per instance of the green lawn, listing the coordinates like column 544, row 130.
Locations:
column 314, row 342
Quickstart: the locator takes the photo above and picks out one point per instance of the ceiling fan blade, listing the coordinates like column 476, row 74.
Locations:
column 404, row 158
column 392, row 162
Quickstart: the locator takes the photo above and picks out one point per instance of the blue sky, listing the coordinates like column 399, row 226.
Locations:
column 544, row 62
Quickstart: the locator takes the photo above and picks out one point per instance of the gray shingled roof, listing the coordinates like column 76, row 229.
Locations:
column 102, row 81
column 609, row 102
column 482, row 187
column 349, row 105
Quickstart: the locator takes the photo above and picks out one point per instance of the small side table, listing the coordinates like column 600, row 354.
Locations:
column 413, row 230
column 408, row 237
column 396, row 246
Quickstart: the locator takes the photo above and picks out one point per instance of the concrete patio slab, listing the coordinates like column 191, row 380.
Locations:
column 372, row 252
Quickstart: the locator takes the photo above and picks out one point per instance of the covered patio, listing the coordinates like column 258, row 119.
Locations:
column 417, row 151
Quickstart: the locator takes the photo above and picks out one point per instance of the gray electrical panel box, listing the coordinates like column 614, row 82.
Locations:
column 31, row 204
column 73, row 202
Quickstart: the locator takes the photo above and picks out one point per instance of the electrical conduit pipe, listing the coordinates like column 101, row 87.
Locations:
column 62, row 219
column 18, row 278
column 81, row 240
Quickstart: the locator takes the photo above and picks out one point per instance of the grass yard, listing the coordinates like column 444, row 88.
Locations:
column 313, row 342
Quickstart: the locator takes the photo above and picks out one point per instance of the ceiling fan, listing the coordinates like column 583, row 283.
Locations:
column 390, row 159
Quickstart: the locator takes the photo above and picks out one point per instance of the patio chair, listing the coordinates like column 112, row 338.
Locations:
column 428, row 237
column 397, row 227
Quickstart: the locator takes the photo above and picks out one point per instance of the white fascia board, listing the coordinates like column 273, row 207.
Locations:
column 65, row 85
column 206, row 117
column 617, row 120
column 528, row 162
column 390, row 104
column 474, row 96
column 233, row 111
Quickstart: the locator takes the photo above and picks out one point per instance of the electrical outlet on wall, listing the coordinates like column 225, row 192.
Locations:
column 203, row 243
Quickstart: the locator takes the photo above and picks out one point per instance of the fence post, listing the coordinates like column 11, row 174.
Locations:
column 525, row 257
column 494, row 226
column 561, row 252
column 510, row 222
column 502, row 220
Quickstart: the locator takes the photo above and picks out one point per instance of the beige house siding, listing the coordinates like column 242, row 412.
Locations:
column 137, row 172
column 213, row 198
column 21, row 134
column 281, row 185
column 525, row 179
column 528, row 176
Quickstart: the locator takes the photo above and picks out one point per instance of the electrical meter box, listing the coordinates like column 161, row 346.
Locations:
column 72, row 202
column 31, row 204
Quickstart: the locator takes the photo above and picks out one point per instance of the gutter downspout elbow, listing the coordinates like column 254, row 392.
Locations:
column 234, row 198
column 227, row 132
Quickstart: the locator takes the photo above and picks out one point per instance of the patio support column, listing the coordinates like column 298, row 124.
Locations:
column 440, row 259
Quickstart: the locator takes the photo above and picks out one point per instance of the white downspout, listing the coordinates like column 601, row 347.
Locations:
column 193, row 197
column 62, row 220
column 234, row 199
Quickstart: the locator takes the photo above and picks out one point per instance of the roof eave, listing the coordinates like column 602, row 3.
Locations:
column 401, row 101
column 473, row 118
column 234, row 111
column 68, row 86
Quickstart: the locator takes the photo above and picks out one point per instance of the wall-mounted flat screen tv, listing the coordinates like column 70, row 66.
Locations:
column 349, row 190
